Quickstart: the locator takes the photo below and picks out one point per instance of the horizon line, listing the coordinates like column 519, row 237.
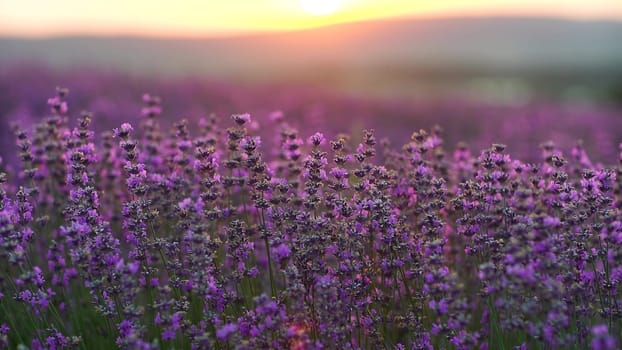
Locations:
column 223, row 35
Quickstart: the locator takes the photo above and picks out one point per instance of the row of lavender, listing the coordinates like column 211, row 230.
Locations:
column 114, row 98
column 196, row 240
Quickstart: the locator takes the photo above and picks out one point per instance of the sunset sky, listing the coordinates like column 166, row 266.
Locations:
column 180, row 18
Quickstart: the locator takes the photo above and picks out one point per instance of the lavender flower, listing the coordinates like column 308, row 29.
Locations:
column 219, row 236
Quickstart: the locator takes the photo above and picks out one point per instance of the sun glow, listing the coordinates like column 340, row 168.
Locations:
column 320, row 7
column 200, row 18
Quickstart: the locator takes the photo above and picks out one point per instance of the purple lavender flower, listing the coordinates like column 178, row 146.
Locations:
column 226, row 331
column 241, row 119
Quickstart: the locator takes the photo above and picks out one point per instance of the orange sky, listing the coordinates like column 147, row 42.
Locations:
column 224, row 17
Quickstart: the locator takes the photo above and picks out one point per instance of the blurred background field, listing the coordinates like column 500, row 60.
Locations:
column 498, row 75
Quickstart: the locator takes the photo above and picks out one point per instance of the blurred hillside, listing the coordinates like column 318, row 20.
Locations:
column 499, row 60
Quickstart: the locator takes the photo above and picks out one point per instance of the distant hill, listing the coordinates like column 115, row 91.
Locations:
column 492, row 43
column 389, row 55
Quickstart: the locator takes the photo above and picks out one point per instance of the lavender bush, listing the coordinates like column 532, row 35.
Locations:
column 114, row 98
column 204, row 238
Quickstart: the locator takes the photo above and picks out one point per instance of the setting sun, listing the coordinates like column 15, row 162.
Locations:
column 198, row 18
column 320, row 7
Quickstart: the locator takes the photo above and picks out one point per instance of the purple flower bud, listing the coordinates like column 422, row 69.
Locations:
column 226, row 331
column 317, row 139
column 123, row 132
column 168, row 334
column 241, row 119
column 282, row 251
column 133, row 267
column 125, row 328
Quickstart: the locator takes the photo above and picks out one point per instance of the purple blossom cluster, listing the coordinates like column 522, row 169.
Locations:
column 115, row 98
column 196, row 238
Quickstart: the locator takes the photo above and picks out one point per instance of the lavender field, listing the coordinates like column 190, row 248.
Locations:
column 223, row 217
